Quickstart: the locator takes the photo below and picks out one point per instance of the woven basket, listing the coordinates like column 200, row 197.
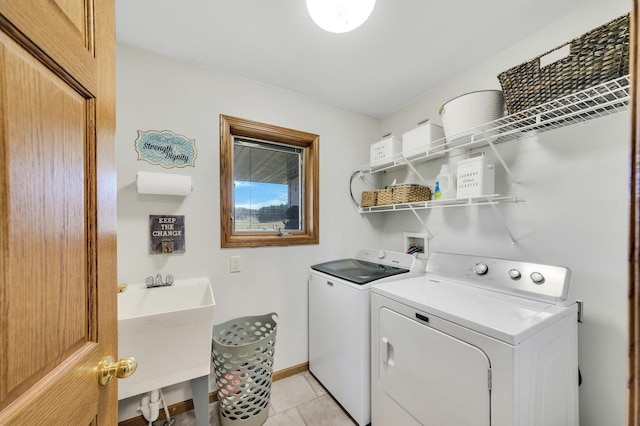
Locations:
column 369, row 198
column 596, row 57
column 385, row 196
column 410, row 193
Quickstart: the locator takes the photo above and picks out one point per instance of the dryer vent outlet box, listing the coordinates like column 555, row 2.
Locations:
column 416, row 244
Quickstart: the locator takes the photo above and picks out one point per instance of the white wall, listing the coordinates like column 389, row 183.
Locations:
column 573, row 181
column 575, row 185
column 156, row 93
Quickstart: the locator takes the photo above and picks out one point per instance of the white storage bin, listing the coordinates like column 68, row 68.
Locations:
column 382, row 152
column 427, row 138
column 475, row 177
column 470, row 110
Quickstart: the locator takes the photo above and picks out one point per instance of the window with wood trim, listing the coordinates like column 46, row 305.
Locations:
column 269, row 180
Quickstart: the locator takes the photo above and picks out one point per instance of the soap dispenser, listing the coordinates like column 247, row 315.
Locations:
column 445, row 184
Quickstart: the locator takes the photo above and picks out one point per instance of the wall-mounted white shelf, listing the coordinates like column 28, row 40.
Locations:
column 454, row 202
column 490, row 200
column 604, row 99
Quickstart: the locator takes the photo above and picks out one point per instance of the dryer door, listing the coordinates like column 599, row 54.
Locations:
column 436, row 378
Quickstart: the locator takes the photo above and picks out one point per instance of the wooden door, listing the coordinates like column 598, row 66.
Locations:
column 58, row 315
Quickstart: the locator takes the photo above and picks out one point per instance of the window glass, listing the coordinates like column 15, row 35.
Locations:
column 269, row 184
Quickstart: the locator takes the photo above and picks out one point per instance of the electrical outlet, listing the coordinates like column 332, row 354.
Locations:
column 235, row 265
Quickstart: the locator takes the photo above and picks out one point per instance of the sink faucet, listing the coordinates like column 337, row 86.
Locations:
column 157, row 282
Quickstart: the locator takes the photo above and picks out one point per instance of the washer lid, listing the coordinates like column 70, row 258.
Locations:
column 358, row 271
column 371, row 265
column 508, row 318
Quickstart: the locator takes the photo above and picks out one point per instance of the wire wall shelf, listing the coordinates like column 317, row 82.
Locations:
column 454, row 202
column 602, row 100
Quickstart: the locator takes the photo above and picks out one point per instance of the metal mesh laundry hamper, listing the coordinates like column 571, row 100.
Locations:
column 242, row 354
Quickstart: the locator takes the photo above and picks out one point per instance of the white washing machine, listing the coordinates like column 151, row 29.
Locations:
column 340, row 322
column 476, row 341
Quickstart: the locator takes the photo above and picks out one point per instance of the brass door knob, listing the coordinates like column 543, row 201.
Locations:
column 122, row 369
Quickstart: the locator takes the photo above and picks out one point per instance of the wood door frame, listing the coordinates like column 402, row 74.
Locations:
column 106, row 198
column 633, row 389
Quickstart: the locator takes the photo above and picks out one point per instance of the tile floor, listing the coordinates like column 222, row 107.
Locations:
column 298, row 400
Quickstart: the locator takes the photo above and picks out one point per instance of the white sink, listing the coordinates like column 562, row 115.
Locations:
column 168, row 330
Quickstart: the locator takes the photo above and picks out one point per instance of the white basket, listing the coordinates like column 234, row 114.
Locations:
column 382, row 152
column 242, row 352
column 475, row 177
column 471, row 110
column 427, row 138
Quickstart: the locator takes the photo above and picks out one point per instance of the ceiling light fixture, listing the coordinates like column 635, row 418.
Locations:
column 340, row 16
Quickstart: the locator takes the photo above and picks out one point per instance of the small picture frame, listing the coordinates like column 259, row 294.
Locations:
column 166, row 234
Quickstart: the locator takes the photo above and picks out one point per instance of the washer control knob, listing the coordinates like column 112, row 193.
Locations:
column 537, row 277
column 515, row 274
column 480, row 269
column 381, row 255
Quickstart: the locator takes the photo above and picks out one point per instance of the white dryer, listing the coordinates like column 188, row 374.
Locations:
column 476, row 341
